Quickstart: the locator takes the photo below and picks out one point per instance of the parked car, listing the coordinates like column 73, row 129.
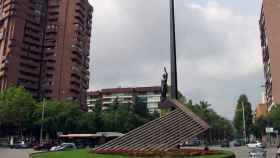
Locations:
column 256, row 144
column 43, row 146
column 225, row 143
column 257, row 153
column 192, row 142
column 21, row 145
column 63, row 147
column 237, row 143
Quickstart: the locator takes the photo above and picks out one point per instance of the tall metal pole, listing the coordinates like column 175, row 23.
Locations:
column 174, row 88
column 42, row 123
column 244, row 123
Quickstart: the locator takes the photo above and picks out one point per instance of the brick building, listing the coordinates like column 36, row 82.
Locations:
column 44, row 47
column 270, row 42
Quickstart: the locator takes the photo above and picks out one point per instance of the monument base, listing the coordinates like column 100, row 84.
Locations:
column 162, row 134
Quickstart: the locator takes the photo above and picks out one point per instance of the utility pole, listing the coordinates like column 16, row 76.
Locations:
column 244, row 123
column 42, row 123
column 174, row 87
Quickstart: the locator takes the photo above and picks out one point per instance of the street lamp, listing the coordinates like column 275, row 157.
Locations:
column 42, row 122
column 244, row 123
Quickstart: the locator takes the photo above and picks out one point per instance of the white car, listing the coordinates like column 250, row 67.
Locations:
column 257, row 153
column 256, row 144
column 64, row 146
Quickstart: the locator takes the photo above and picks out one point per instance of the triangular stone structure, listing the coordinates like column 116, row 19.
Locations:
column 161, row 134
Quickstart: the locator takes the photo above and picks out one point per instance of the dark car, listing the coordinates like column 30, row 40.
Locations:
column 21, row 146
column 237, row 143
column 192, row 142
column 225, row 143
column 45, row 146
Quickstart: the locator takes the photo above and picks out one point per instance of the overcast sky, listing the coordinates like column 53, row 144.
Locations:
column 218, row 45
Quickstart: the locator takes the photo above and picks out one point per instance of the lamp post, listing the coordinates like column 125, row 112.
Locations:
column 42, row 123
column 244, row 123
column 174, row 88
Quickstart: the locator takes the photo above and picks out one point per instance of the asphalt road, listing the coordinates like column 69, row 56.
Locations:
column 243, row 152
column 240, row 152
column 15, row 153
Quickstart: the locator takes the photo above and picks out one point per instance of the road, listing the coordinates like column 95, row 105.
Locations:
column 240, row 152
column 15, row 153
column 243, row 152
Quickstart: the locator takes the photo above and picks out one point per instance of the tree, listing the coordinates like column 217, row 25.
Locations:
column 87, row 123
column 238, row 118
column 16, row 110
column 273, row 118
column 259, row 127
column 59, row 117
column 220, row 128
column 98, row 120
column 140, row 107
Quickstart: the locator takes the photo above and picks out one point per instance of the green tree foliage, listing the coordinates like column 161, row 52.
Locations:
column 59, row 117
column 125, row 117
column 272, row 119
column 21, row 113
column 16, row 109
column 220, row 128
column 259, row 126
column 238, row 118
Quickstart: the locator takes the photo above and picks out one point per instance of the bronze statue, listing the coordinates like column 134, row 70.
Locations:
column 164, row 85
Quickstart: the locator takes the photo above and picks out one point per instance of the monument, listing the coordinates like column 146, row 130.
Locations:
column 176, row 126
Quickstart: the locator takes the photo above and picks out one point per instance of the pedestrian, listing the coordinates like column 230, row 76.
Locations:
column 11, row 142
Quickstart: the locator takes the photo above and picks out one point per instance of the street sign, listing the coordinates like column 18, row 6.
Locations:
column 269, row 130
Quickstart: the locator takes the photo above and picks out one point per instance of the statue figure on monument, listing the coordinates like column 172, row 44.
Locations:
column 164, row 85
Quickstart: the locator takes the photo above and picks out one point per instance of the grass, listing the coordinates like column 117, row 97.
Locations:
column 86, row 154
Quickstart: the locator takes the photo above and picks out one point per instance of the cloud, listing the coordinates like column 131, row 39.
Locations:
column 219, row 55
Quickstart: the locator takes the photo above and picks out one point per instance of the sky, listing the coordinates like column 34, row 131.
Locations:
column 218, row 48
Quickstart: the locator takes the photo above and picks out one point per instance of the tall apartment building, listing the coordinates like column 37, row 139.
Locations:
column 147, row 95
column 270, row 42
column 44, row 47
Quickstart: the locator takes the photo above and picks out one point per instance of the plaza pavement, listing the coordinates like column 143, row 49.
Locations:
column 15, row 153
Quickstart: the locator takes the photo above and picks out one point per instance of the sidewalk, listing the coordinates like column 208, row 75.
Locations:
column 15, row 153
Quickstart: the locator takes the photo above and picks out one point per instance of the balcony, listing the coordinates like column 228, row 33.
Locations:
column 29, row 85
column 79, row 10
column 31, row 48
column 79, row 27
column 50, row 43
column 28, row 76
column 75, row 75
column 80, row 4
column 31, row 57
column 75, row 91
column 50, row 36
column 53, row 4
column 48, row 51
column 75, row 84
column 52, row 29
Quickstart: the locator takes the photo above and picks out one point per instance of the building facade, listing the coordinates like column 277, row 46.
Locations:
column 270, row 42
column 261, row 110
column 44, row 47
column 147, row 95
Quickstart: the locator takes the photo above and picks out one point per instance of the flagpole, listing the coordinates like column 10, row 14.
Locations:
column 174, row 87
